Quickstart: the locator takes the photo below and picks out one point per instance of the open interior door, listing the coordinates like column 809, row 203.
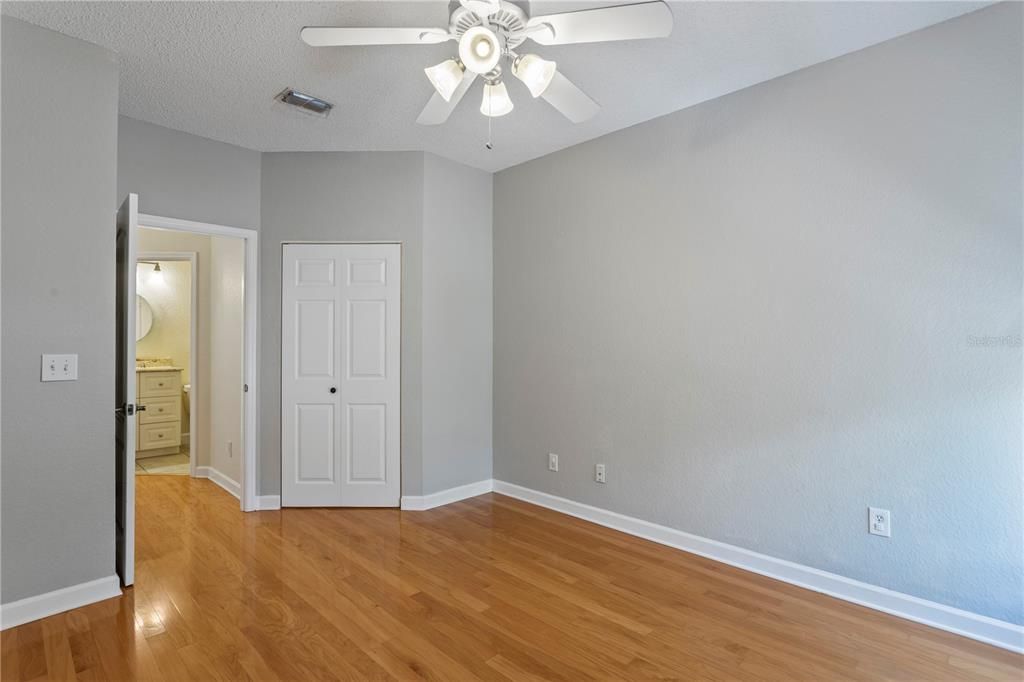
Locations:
column 124, row 392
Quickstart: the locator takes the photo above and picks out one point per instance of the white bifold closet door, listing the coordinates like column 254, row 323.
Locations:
column 340, row 375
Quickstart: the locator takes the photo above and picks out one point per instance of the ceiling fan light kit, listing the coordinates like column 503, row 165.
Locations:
column 488, row 30
column 496, row 101
column 535, row 72
column 445, row 77
column 479, row 49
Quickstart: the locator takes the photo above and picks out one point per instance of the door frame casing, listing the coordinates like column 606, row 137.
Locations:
column 248, row 498
column 192, row 258
column 401, row 345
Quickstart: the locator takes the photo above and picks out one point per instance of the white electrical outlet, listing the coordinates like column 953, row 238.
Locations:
column 59, row 368
column 552, row 462
column 878, row 522
column 599, row 473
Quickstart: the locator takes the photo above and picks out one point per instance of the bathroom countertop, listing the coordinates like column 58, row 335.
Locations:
column 159, row 369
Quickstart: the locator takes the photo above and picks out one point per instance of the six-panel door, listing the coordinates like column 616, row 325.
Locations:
column 340, row 375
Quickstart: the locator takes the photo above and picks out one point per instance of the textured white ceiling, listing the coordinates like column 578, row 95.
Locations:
column 212, row 68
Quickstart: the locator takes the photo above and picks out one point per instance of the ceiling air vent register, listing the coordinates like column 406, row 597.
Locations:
column 307, row 104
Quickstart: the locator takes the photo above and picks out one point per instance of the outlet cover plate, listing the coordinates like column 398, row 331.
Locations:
column 879, row 522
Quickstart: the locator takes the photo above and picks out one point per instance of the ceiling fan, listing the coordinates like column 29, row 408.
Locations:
column 487, row 31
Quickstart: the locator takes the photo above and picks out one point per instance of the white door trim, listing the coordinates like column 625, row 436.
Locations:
column 250, row 402
column 194, row 417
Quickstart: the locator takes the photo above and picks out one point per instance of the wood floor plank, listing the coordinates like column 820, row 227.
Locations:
column 60, row 664
column 31, row 651
column 10, row 664
column 489, row 588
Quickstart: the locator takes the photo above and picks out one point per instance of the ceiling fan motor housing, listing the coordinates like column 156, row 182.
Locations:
column 509, row 23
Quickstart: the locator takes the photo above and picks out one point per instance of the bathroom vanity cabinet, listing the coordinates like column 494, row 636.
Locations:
column 159, row 426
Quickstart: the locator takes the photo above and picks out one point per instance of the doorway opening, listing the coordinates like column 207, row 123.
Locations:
column 186, row 360
column 166, row 355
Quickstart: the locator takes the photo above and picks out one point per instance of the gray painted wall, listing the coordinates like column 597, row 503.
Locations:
column 457, row 324
column 59, row 140
column 341, row 196
column 178, row 175
column 758, row 313
column 352, row 197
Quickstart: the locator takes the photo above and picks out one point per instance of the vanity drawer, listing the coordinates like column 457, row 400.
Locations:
column 159, row 384
column 159, row 435
column 160, row 410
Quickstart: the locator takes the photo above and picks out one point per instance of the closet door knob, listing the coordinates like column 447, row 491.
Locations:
column 333, row 389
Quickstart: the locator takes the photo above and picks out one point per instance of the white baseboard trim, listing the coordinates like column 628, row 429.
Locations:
column 220, row 479
column 462, row 492
column 268, row 502
column 58, row 601
column 982, row 628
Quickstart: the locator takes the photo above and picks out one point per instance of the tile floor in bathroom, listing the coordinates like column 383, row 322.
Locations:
column 164, row 465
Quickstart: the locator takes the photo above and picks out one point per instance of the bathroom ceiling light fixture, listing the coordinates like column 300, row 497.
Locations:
column 487, row 30
column 157, row 273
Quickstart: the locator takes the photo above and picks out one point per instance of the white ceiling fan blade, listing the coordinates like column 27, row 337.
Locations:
column 329, row 36
column 624, row 22
column 437, row 110
column 570, row 101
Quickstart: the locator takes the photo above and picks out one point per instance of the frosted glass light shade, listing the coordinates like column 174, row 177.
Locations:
column 496, row 101
column 479, row 49
column 445, row 77
column 535, row 72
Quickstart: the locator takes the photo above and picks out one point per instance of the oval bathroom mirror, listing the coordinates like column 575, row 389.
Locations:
column 143, row 317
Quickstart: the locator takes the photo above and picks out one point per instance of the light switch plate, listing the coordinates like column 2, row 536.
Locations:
column 60, row 367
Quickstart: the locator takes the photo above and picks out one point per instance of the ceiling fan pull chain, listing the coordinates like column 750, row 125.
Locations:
column 489, row 145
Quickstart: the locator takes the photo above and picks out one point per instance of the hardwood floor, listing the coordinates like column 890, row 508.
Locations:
column 489, row 588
